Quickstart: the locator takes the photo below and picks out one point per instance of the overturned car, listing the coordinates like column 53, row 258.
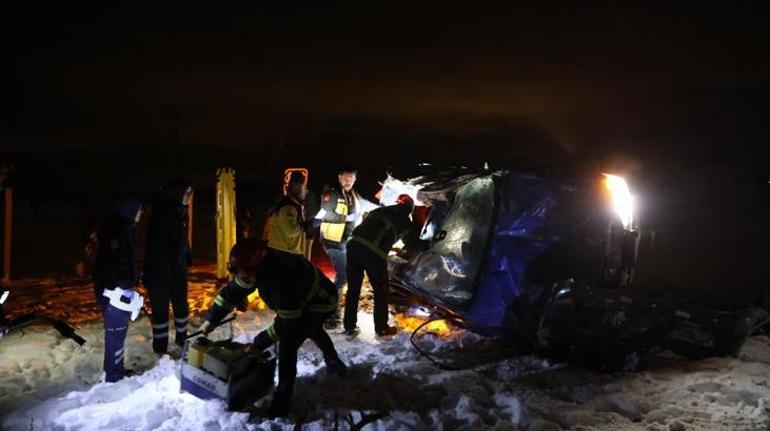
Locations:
column 550, row 261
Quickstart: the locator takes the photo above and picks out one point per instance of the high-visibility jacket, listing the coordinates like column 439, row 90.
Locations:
column 383, row 227
column 286, row 228
column 338, row 205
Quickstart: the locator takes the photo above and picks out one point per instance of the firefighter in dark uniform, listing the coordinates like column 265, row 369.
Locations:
column 368, row 250
column 115, row 272
column 302, row 299
column 341, row 211
column 287, row 228
column 166, row 263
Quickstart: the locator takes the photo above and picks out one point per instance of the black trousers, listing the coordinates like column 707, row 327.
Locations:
column 161, row 295
column 293, row 333
column 361, row 259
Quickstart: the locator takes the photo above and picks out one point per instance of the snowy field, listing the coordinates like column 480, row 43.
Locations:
column 50, row 383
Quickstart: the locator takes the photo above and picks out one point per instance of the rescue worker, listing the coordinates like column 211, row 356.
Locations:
column 287, row 229
column 302, row 299
column 166, row 263
column 341, row 211
column 368, row 250
column 115, row 276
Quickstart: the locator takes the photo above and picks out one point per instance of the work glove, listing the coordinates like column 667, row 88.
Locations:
column 206, row 328
column 126, row 300
column 242, row 305
column 262, row 341
column 320, row 215
column 214, row 315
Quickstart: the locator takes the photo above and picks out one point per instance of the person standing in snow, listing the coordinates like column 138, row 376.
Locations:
column 287, row 229
column 166, row 263
column 341, row 211
column 302, row 299
column 115, row 276
column 367, row 251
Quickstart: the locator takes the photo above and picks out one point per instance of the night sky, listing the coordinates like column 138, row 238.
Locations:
column 576, row 77
column 676, row 96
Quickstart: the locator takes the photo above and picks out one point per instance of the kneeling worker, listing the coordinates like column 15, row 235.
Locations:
column 368, row 250
column 302, row 299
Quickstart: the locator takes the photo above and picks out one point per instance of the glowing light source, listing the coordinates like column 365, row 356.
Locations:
column 622, row 200
column 392, row 188
column 4, row 296
column 255, row 302
column 410, row 323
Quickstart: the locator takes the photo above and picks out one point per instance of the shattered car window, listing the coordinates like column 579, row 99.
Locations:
column 448, row 269
column 436, row 217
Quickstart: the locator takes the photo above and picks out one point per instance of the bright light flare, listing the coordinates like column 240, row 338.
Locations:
column 409, row 323
column 392, row 188
column 622, row 200
column 4, row 296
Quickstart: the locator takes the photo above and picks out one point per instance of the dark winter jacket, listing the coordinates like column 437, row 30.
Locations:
column 383, row 227
column 115, row 264
column 293, row 287
column 289, row 285
column 168, row 249
column 285, row 282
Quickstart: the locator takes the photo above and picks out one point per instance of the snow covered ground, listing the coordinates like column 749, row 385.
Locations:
column 50, row 383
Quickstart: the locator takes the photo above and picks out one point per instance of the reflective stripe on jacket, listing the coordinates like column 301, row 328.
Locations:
column 338, row 206
column 383, row 227
column 292, row 286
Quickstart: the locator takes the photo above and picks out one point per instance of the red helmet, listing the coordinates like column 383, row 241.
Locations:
column 246, row 255
column 406, row 200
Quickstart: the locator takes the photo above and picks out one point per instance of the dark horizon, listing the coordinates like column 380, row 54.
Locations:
column 673, row 96
column 585, row 78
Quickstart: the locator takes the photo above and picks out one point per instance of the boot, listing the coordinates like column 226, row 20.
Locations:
column 387, row 331
column 160, row 345
column 261, row 342
column 181, row 337
column 352, row 332
column 281, row 405
column 332, row 323
column 336, row 367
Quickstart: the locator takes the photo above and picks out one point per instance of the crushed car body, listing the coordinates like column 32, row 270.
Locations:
column 546, row 259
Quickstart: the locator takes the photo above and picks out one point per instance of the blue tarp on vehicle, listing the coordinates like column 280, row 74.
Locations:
column 504, row 240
